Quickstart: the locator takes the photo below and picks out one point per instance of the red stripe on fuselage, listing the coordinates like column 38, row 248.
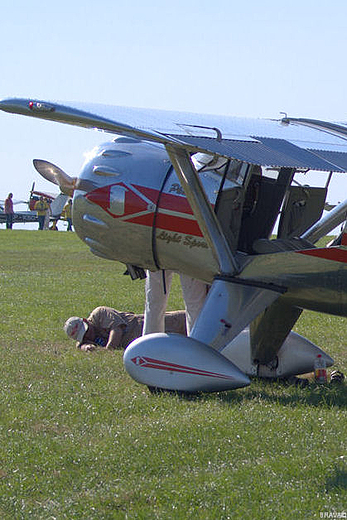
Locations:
column 135, row 204
column 178, row 224
column 167, row 201
column 336, row 254
column 168, row 223
column 176, row 203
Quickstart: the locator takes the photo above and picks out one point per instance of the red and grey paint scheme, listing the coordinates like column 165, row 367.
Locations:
column 201, row 195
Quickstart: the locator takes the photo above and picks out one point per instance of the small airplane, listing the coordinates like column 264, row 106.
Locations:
column 200, row 195
column 56, row 203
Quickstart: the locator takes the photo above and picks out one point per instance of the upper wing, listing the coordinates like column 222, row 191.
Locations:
column 293, row 143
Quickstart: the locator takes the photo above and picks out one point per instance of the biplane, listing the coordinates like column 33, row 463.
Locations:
column 201, row 195
column 56, row 203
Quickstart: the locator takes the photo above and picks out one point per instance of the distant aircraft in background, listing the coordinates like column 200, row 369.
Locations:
column 56, row 201
column 200, row 195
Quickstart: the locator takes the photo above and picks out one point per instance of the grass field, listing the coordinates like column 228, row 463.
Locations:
column 80, row 440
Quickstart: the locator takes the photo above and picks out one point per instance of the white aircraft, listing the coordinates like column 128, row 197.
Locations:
column 200, row 194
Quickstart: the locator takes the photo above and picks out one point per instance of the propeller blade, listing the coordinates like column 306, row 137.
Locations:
column 48, row 171
column 53, row 173
column 67, row 184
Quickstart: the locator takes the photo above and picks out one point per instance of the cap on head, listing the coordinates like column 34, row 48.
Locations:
column 76, row 328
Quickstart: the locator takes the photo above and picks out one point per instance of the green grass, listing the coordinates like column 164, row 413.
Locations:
column 80, row 440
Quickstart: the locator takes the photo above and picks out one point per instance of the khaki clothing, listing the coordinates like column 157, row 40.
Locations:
column 105, row 319
column 67, row 213
column 175, row 321
column 41, row 208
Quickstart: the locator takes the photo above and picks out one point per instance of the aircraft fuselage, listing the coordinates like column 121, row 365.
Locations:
column 135, row 211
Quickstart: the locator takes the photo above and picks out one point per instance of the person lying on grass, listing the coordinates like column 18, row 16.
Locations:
column 111, row 329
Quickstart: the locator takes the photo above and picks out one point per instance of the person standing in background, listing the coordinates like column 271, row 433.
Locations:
column 41, row 207
column 47, row 215
column 67, row 213
column 9, row 211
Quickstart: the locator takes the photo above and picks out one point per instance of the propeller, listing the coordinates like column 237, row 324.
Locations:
column 53, row 173
column 67, row 184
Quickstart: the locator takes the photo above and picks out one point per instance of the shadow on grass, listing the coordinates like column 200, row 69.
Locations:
column 325, row 396
column 338, row 480
column 277, row 392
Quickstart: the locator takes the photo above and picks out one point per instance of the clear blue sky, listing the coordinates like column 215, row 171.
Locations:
column 252, row 58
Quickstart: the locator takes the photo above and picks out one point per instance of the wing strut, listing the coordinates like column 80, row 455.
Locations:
column 203, row 211
column 230, row 306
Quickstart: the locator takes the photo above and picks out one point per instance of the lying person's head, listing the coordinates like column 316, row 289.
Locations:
column 79, row 329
